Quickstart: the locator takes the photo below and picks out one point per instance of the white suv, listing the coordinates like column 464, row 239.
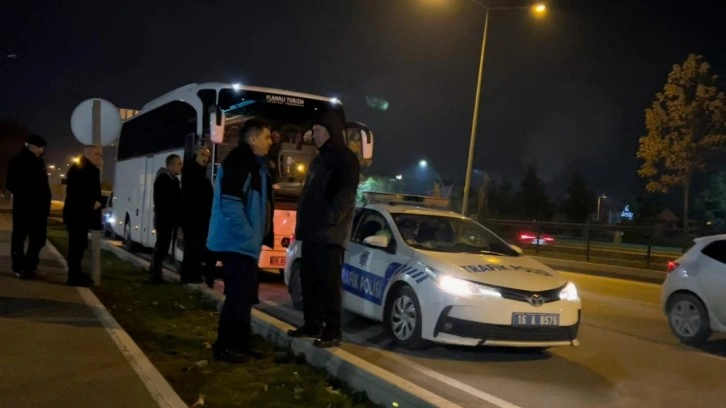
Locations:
column 694, row 291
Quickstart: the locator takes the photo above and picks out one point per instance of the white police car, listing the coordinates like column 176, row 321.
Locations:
column 431, row 274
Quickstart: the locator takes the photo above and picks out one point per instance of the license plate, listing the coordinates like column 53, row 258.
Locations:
column 277, row 260
column 535, row 319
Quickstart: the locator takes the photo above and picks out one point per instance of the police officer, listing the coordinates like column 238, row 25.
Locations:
column 27, row 179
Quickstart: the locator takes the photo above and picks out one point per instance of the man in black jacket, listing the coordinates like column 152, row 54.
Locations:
column 27, row 179
column 82, row 210
column 167, row 208
column 197, row 195
column 324, row 222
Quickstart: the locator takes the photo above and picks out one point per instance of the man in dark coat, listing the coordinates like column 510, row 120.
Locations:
column 167, row 208
column 197, row 195
column 27, row 179
column 82, row 210
column 324, row 221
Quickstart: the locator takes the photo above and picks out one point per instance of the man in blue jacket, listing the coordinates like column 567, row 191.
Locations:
column 241, row 223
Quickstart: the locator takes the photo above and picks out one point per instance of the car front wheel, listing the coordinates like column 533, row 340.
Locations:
column 403, row 318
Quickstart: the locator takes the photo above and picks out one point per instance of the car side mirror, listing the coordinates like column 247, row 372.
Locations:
column 377, row 241
column 216, row 125
column 516, row 249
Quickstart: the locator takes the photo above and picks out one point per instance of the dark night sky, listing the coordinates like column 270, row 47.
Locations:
column 566, row 91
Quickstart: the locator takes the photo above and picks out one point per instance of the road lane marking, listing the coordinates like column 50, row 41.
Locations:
column 484, row 396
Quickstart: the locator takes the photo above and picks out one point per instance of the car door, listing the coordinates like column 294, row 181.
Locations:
column 364, row 274
column 712, row 278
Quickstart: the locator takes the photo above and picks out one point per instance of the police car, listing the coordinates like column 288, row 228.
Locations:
column 432, row 275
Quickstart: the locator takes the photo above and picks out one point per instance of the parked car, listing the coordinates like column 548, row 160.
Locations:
column 433, row 275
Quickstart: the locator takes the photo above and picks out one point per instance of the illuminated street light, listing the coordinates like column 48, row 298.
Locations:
column 399, row 177
column 76, row 160
column 538, row 9
column 423, row 164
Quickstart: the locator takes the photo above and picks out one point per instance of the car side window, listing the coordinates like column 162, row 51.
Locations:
column 716, row 250
column 373, row 223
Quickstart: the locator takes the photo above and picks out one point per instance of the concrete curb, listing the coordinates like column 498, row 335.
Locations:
column 160, row 389
column 381, row 386
column 611, row 271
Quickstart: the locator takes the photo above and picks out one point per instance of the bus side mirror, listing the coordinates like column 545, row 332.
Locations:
column 366, row 143
column 360, row 139
column 216, row 125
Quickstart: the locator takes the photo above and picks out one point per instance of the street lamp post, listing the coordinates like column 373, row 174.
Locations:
column 539, row 9
column 603, row 197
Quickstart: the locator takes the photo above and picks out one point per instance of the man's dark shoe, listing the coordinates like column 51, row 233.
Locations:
column 326, row 341
column 304, row 331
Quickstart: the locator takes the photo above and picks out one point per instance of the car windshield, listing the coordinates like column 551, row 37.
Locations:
column 449, row 234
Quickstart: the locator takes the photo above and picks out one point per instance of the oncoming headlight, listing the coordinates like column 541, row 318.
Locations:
column 569, row 293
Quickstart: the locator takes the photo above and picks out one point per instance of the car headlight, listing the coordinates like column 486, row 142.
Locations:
column 460, row 287
column 569, row 292
column 111, row 220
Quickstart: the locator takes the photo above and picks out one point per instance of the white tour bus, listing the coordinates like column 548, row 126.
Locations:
column 211, row 114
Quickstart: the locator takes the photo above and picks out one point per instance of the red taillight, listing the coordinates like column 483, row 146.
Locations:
column 672, row 265
column 525, row 236
column 549, row 239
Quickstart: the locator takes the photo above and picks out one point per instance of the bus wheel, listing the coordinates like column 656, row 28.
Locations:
column 295, row 286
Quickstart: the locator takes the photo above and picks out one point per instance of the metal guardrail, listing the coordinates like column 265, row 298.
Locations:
column 632, row 246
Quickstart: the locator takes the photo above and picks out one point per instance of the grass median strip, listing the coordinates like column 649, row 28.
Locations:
column 175, row 328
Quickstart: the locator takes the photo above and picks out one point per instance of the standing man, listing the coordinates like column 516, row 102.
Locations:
column 197, row 195
column 82, row 210
column 167, row 208
column 241, row 223
column 27, row 179
column 324, row 222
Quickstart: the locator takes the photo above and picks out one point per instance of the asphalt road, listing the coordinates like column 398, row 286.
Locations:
column 627, row 357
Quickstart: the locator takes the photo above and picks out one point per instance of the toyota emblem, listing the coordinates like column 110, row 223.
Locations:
column 535, row 300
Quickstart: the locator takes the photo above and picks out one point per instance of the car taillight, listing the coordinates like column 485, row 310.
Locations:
column 525, row 236
column 672, row 265
column 549, row 239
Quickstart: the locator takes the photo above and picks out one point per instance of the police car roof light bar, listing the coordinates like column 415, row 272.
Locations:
column 371, row 197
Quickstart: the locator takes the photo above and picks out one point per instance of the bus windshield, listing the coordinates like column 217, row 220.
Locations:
column 291, row 119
